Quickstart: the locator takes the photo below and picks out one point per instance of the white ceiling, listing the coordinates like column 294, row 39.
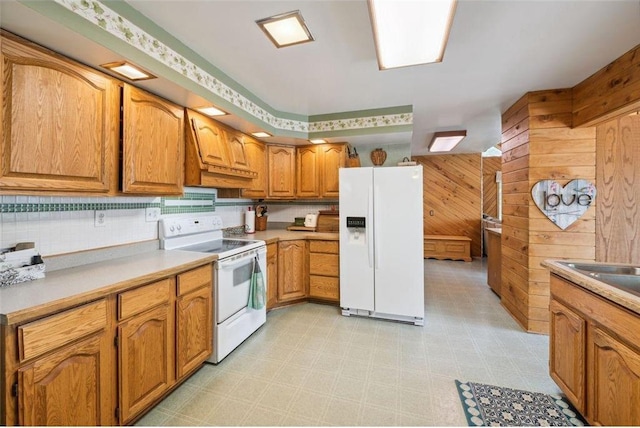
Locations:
column 497, row 51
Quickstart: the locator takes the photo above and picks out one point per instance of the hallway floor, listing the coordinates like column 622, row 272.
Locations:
column 310, row 366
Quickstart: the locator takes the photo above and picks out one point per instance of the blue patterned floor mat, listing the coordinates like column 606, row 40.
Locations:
column 489, row 405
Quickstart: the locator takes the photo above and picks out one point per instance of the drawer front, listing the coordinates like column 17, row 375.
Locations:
column 143, row 298
column 39, row 337
column 331, row 247
column 429, row 246
column 324, row 287
column 194, row 279
column 324, row 264
column 455, row 247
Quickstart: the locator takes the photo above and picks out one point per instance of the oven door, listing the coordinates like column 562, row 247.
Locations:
column 233, row 277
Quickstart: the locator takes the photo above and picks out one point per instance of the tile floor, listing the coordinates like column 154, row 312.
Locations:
column 310, row 366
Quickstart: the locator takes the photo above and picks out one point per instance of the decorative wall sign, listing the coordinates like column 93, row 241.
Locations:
column 564, row 205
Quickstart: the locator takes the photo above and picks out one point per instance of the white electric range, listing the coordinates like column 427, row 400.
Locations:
column 233, row 320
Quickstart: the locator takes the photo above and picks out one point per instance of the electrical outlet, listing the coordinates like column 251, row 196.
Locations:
column 152, row 214
column 100, row 218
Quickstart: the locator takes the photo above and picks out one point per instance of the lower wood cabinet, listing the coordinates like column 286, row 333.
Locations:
column 568, row 352
column 324, row 270
column 146, row 360
column 293, row 278
column 69, row 386
column 595, row 354
column 194, row 320
column 108, row 361
column 272, row 275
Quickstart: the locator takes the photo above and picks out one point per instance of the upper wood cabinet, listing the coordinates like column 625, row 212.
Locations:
column 317, row 173
column 210, row 140
column 257, row 155
column 282, row 166
column 215, row 154
column 307, row 177
column 334, row 157
column 153, row 144
column 60, row 123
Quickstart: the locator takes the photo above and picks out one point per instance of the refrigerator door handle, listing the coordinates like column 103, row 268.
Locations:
column 376, row 210
column 370, row 226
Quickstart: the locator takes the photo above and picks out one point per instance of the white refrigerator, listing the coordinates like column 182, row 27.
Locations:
column 381, row 243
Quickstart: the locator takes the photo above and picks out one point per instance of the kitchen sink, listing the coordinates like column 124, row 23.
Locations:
column 599, row 268
column 625, row 278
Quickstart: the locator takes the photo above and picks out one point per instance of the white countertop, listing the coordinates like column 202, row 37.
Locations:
column 66, row 287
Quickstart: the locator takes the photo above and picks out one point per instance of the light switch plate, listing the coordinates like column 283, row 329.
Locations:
column 152, row 214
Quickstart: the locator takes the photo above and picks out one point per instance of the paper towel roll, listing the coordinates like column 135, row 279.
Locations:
column 250, row 221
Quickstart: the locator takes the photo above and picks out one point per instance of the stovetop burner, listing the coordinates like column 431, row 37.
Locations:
column 203, row 235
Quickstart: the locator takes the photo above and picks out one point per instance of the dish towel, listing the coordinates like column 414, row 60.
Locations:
column 257, row 292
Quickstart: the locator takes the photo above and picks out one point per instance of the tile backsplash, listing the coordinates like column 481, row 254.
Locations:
column 60, row 225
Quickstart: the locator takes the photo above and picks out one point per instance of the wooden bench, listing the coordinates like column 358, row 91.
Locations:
column 443, row 247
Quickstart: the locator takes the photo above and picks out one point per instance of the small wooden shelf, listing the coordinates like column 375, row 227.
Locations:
column 444, row 247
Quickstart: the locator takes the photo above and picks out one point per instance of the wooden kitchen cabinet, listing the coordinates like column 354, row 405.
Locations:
column 307, row 174
column 257, row 155
column 66, row 375
column 614, row 381
column 293, row 278
column 272, row 275
column 334, row 157
column 146, row 346
column 594, row 354
column 194, row 319
column 282, row 167
column 68, row 387
column 60, row 123
column 153, row 144
column 107, row 361
column 568, row 352
column 317, row 173
column 324, row 270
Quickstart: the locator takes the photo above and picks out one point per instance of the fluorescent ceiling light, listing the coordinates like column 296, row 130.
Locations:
column 317, row 141
column 211, row 111
column 128, row 70
column 410, row 32
column 286, row 29
column 445, row 141
column 261, row 134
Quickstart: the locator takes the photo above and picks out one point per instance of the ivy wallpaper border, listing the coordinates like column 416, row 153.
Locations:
column 101, row 15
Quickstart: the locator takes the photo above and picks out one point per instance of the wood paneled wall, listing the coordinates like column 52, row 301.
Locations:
column 490, row 166
column 453, row 191
column 612, row 91
column 618, row 191
column 538, row 143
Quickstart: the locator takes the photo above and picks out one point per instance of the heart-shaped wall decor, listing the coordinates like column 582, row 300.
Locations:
column 563, row 205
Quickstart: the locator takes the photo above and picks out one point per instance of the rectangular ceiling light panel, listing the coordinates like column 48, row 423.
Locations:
column 410, row 32
column 286, row 29
column 446, row 141
column 128, row 70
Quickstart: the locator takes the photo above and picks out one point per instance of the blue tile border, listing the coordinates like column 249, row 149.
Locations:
column 190, row 202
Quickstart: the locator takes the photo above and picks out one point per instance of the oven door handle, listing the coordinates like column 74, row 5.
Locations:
column 231, row 264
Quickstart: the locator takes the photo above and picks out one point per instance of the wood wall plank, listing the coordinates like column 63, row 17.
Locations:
column 453, row 191
column 552, row 151
column 610, row 92
column 490, row 166
column 618, row 187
